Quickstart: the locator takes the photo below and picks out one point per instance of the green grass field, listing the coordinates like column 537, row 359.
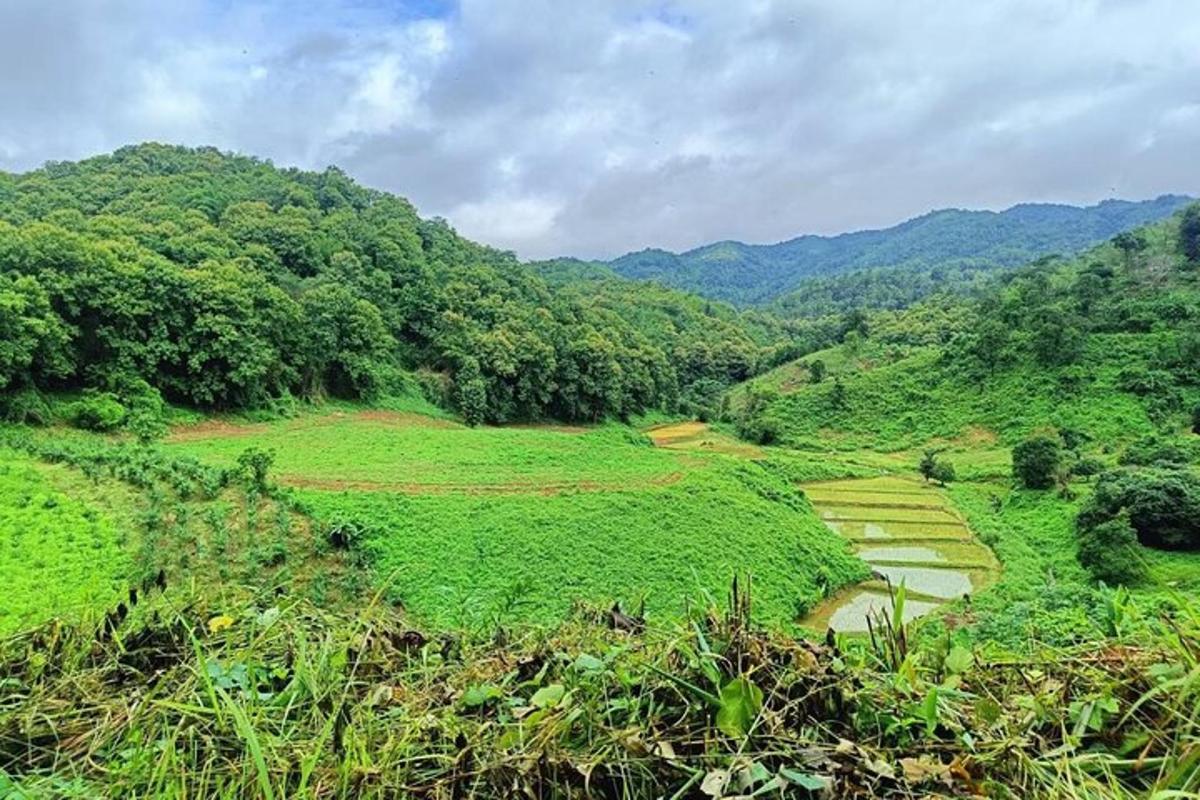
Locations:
column 466, row 525
column 63, row 550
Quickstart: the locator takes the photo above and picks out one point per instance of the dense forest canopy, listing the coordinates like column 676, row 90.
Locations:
column 944, row 250
column 225, row 282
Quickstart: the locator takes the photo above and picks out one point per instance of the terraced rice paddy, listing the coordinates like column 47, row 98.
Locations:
column 910, row 534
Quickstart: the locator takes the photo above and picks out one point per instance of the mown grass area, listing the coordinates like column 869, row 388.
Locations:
column 466, row 525
column 410, row 452
column 62, row 542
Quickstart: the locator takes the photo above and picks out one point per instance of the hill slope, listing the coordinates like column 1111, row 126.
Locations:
column 946, row 240
column 223, row 281
column 1105, row 345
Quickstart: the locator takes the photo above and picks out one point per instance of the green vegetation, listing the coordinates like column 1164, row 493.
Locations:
column 463, row 525
column 816, row 275
column 1037, row 461
column 226, row 283
column 62, row 551
column 1103, row 347
column 271, row 529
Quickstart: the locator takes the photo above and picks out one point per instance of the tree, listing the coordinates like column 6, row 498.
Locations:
column 1196, row 420
column 1130, row 243
column 471, row 392
column 1189, row 233
column 943, row 472
column 1162, row 505
column 816, row 370
column 928, row 464
column 1036, row 461
column 837, row 397
column 1109, row 551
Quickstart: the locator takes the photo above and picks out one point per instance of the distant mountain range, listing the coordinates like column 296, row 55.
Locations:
column 950, row 240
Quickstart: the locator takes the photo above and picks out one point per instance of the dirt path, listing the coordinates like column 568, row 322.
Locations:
column 908, row 532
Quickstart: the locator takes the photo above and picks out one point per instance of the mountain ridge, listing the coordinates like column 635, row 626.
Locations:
column 758, row 274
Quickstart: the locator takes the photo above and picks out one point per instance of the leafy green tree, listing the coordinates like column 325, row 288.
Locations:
column 1109, row 551
column 816, row 370
column 471, row 392
column 943, row 472
column 1162, row 505
column 1036, row 461
column 928, row 464
column 1189, row 233
column 1131, row 244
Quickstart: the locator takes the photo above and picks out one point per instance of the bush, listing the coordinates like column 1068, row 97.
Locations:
column 1152, row 451
column 943, row 472
column 1036, row 462
column 26, row 407
column 1109, row 551
column 97, row 411
column 1086, row 466
column 254, row 464
column 1162, row 506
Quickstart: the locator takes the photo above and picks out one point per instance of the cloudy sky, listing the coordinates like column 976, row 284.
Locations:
column 591, row 128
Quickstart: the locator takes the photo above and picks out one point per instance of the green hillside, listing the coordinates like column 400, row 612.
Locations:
column 224, row 282
column 813, row 275
column 1106, row 345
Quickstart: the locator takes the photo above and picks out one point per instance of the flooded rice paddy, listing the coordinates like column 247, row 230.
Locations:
column 908, row 532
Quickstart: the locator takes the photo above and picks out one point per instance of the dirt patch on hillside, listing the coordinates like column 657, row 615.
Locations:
column 214, row 429
column 665, row 434
column 509, row 488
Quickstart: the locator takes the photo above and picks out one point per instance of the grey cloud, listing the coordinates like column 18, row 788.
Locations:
column 594, row 128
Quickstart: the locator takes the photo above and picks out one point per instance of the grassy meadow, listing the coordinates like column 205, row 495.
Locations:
column 64, row 548
column 462, row 526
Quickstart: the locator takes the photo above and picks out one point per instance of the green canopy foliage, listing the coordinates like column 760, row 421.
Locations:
column 224, row 282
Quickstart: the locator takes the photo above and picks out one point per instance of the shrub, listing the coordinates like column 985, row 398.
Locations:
column 943, row 472
column 1109, row 550
column 1086, row 466
column 97, row 411
column 26, row 407
column 1152, row 450
column 254, row 463
column 1036, row 461
column 1162, row 505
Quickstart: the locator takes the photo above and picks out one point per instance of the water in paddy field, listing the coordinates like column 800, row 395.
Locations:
column 910, row 534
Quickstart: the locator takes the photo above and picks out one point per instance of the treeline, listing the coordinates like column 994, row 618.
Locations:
column 224, row 282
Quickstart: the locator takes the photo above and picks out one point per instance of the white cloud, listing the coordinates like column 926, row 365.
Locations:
column 594, row 128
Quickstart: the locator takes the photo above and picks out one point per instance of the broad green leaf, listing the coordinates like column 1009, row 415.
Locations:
column 959, row 660
column 548, row 696
column 739, row 704
column 479, row 695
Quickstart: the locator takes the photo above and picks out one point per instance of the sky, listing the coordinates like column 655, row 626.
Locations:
column 593, row 127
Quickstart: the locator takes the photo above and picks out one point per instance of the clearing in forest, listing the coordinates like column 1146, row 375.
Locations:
column 464, row 526
column 908, row 532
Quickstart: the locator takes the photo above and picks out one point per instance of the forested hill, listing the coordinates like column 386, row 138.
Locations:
column 1104, row 347
column 948, row 245
column 221, row 281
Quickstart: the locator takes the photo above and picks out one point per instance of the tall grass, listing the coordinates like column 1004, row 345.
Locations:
column 244, row 696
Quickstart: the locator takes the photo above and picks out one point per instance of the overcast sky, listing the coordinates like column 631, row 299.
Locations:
column 591, row 128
